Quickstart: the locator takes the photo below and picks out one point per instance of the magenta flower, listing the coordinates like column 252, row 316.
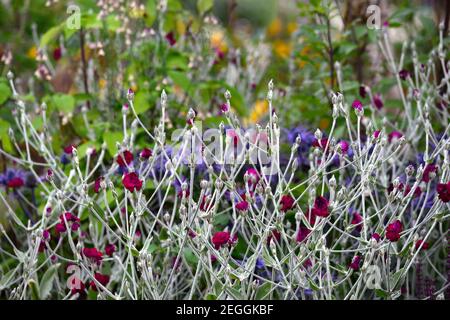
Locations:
column 101, row 278
column 320, row 207
column 355, row 263
column 394, row 135
column 93, row 255
column 146, row 153
column 403, row 74
column 287, row 203
column 429, row 168
column 393, row 230
column 242, row 206
column 224, row 107
column 274, row 235
column 15, row 183
column 97, row 184
column 422, row 243
column 443, row 190
column 302, row 234
column 170, row 37
column 110, row 249
column 376, row 236
column 377, row 101
column 357, row 220
column 357, row 105
column 131, row 182
column 376, row 134
column 362, row 91
column 220, row 239
column 124, row 158
column 344, row 146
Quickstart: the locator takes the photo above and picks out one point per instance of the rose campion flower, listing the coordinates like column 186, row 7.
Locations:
column 220, row 239
column 443, row 190
column 131, row 182
column 170, row 37
column 376, row 236
column 394, row 135
column 15, row 183
column 302, row 234
column 242, row 206
column 403, row 74
column 320, row 207
column 146, row 153
column 93, row 255
column 355, row 263
column 377, row 101
column 287, row 203
column 376, row 134
column 344, row 146
column 362, row 91
column 97, row 184
column 101, row 278
column 110, row 249
column 393, row 231
column 357, row 105
column 68, row 149
column 357, row 220
column 429, row 171
column 275, row 236
column 124, row 158
column 320, row 144
column 72, row 220
column 253, row 174
column 422, row 243
column 224, row 107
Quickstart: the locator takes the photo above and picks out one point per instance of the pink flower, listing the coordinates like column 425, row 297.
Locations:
column 220, row 239
column 68, row 149
column 376, row 236
column 57, row 53
column 320, row 207
column 15, row 183
column 242, row 206
column 131, row 182
column 274, row 235
column 403, row 74
column 146, row 153
column 302, row 234
column 357, row 219
column 72, row 221
column 357, row 105
column 93, row 255
column 60, row 228
column 355, row 263
column 429, row 168
column 424, row 245
column 170, row 37
column 253, row 174
column 110, row 249
column 124, row 158
column 101, row 278
column 321, row 144
column 224, row 107
column 378, row 103
column 287, row 203
column 97, row 184
column 444, row 191
column 362, row 91
column 393, row 230
column 376, row 134
column 344, row 146
column 394, row 135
